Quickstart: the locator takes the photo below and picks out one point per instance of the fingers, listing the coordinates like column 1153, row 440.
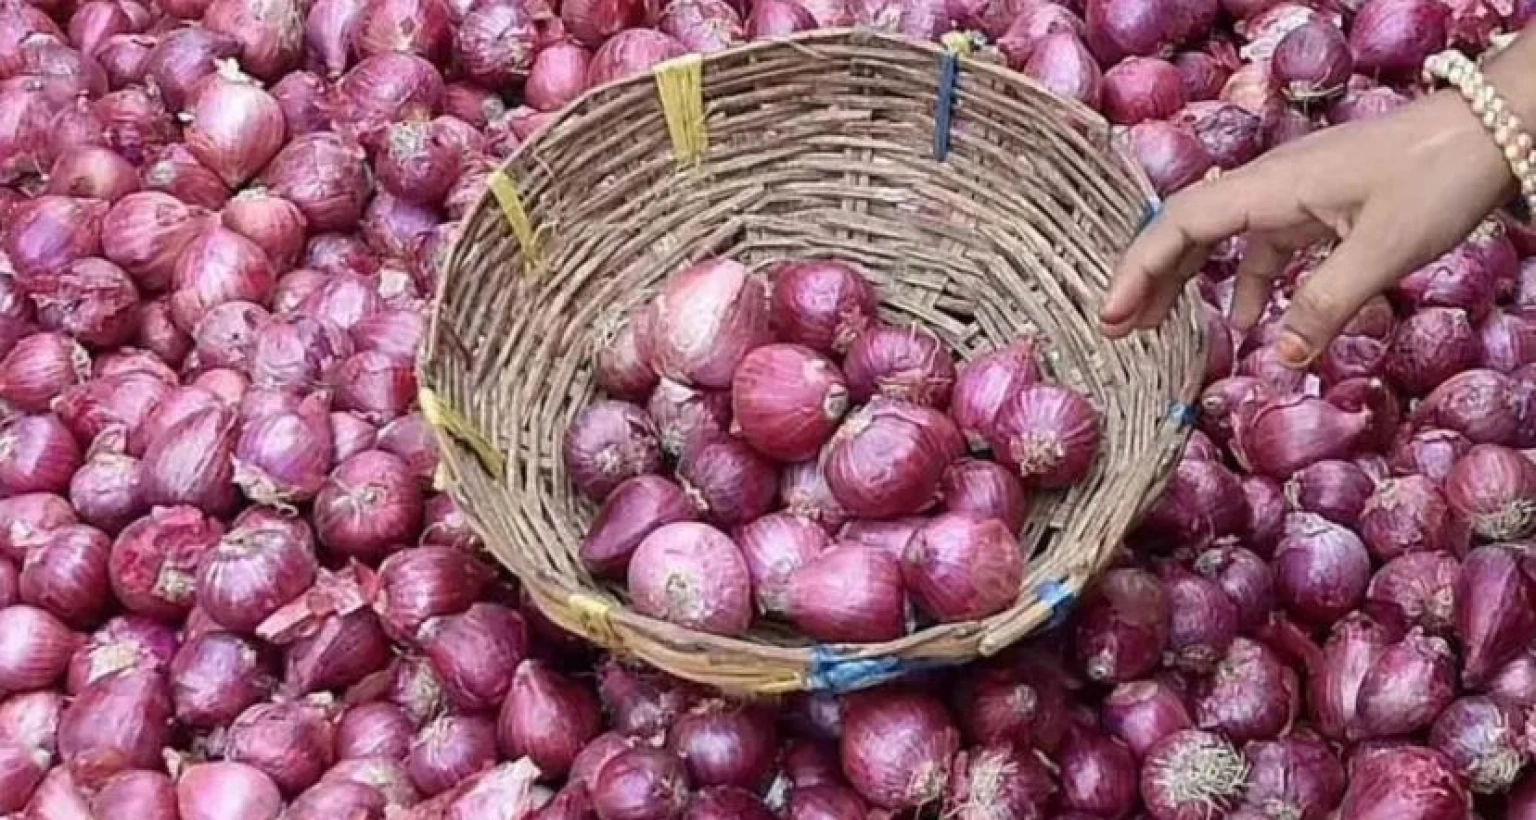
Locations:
column 1262, row 262
column 1173, row 247
column 1364, row 264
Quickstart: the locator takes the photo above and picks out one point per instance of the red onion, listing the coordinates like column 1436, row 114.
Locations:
column 728, row 483
column 475, row 653
column 343, row 299
column 415, row 27
column 146, row 232
column 108, row 490
column 803, row 491
column 1295, row 776
column 557, row 76
column 1410, row 514
column 1482, row 405
column 643, row 704
column 290, row 742
column 1321, row 569
column 10, row 582
column 984, row 385
column 154, row 560
column 889, row 458
column 907, row 364
column 898, row 747
column 1117, row 29
column 118, row 722
column 303, row 98
column 190, row 463
column 326, row 801
column 148, row 795
column 1416, row 590
column 1140, row 89
column 92, row 172
column 1493, row 616
column 1172, row 157
column 1188, row 773
column 340, row 255
column 725, row 744
column 1223, row 398
column 1484, row 740
column 67, row 574
column 1251, row 696
column 547, row 718
column 1409, row 781
column 416, row 163
column 324, row 176
column 388, row 777
column 1246, row 580
column 773, row 547
column 214, row 677
column 849, row 594
column 1204, row 620
column 1098, row 774
column 270, row 33
column 495, row 43
column 1336, row 490
column 787, row 400
column 1229, row 134
column 1494, row 488
column 227, row 791
column 375, row 385
column 822, row 304
column 394, row 332
column 1203, row 502
column 1431, row 346
column 705, row 321
column 332, row 639
column 1022, row 702
column 984, row 489
column 630, row 53
column 369, row 505
column 410, row 437
column 48, row 233
column 92, row 300
column 297, row 353
column 1049, row 434
column 263, row 561
column 641, row 784
column 595, row 755
column 1060, row 62
column 1142, row 713
column 1280, row 436
column 36, row 649
column 1508, row 340
column 962, row 568
column 997, row 781
column 37, row 455
column 282, row 457
column 218, row 267
column 350, row 435
column 417, row 585
column 1123, row 626
column 174, row 170
column 1409, row 684
column 328, row 33
column 1395, row 36
column 777, row 18
column 446, row 525
column 375, row 729
column 703, row 26
column 1312, row 61
column 609, row 442
column 1429, row 452
column 826, row 801
column 686, row 417
column 235, row 127
column 39, row 368
column 621, row 369
column 693, row 575
column 273, row 223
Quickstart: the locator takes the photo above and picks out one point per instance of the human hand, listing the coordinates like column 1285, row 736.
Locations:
column 1396, row 192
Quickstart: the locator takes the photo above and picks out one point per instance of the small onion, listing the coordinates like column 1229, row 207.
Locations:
column 906, row 364
column 686, row 417
column 1251, row 696
column 609, row 442
column 1142, row 713
column 289, row 742
column 154, row 560
column 984, row 489
column 1494, row 489
column 641, row 784
column 377, row 729
column 1098, row 774
column 960, row 568
column 1141, row 89
column 216, row 676
column 475, row 653
column 1171, row 156
column 824, row 305
column 898, row 747
column 787, row 400
column 998, row 780
column 725, row 744
column 36, row 649
column 416, row 585
column 1189, row 771
column 1296, row 775
column 119, row 722
column 67, row 575
column 630, row 53
column 1395, row 36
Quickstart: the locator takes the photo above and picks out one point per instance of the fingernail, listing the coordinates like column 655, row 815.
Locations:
column 1294, row 351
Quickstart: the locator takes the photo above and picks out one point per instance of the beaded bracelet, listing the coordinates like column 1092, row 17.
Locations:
column 1503, row 124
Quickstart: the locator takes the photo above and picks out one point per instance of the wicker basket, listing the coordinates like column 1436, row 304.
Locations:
column 984, row 206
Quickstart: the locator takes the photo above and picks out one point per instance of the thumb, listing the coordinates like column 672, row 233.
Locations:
column 1367, row 262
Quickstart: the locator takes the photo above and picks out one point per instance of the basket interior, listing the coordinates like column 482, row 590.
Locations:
column 822, row 148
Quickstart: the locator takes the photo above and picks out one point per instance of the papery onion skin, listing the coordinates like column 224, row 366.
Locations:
column 960, row 567
column 686, row 417
column 324, row 176
column 1123, row 626
column 888, row 458
column 1416, row 590
column 902, row 363
column 693, row 575
column 1202, row 503
column 1410, row 514
column 1278, row 437
column 849, row 594
column 822, row 304
column 1431, row 453
column 1049, row 434
column 773, row 547
column 41, row 367
column 1432, row 345
column 705, row 321
column 1334, row 489
column 897, row 747
column 787, row 400
column 124, row 643
column 154, row 560
column 1403, row 782
column 635, row 509
column 191, row 463
column 985, row 384
column 1321, row 569
column 610, row 442
column 37, row 455
column 215, row 677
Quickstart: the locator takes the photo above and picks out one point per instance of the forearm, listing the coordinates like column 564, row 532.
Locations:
column 1513, row 73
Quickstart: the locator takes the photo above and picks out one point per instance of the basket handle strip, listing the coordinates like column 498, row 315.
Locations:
column 594, row 617
column 680, row 87
column 455, row 426
column 511, row 203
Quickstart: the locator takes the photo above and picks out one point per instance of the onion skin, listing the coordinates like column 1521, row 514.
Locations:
column 227, row 791
column 67, row 575
column 154, row 560
column 773, row 547
column 1123, row 626
column 998, row 779
column 119, row 722
column 1188, row 772
column 290, row 742
column 1416, row 590
column 216, row 676
column 1202, row 503
column 848, row 594
column 1172, row 157
column 897, row 747
column 1334, row 489
column 416, row 585
column 1276, row 438
column 37, row 650
column 787, row 400
column 1410, row 515
column 1141, row 89
column 906, row 364
column 1321, row 569
column 985, row 384
column 547, row 718
column 961, row 567
column 621, row 369
column 191, row 463
column 725, row 744
column 888, row 459
column 1493, row 611
column 1395, row 36
column 705, row 321
column 377, row 729
column 261, row 563
column 1203, row 620
column 693, row 575
column 1408, row 781
column 1296, row 775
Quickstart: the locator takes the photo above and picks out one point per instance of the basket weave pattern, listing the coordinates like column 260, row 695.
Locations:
column 824, row 145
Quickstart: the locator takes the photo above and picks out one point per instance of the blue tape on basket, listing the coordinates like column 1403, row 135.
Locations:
column 944, row 115
column 1184, row 414
column 1154, row 208
column 831, row 672
column 1059, row 598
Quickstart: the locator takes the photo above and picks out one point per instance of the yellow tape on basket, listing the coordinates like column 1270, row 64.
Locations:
column 594, row 616
column 680, row 85
column 511, row 203
column 445, row 418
